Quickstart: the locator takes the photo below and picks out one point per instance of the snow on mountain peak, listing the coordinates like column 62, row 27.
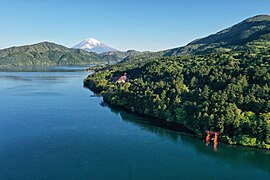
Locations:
column 93, row 45
column 92, row 41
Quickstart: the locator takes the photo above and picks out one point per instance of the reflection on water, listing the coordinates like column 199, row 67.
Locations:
column 231, row 153
column 43, row 68
column 52, row 128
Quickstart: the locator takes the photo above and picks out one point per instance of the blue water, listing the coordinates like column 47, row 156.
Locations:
column 50, row 128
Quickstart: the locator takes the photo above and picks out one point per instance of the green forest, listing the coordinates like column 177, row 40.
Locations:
column 225, row 92
column 218, row 83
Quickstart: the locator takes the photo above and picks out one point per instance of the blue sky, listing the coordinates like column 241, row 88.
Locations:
column 122, row 24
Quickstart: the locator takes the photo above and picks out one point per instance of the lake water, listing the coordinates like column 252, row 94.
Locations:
column 50, row 128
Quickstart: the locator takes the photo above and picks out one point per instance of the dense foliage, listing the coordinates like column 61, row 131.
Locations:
column 220, row 83
column 225, row 92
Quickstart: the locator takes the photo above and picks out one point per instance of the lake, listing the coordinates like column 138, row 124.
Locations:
column 50, row 128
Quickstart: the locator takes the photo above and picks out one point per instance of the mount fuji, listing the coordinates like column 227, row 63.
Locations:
column 93, row 45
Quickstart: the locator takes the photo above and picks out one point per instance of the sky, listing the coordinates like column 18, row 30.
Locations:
column 140, row 24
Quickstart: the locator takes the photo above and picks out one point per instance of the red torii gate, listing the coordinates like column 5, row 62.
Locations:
column 208, row 138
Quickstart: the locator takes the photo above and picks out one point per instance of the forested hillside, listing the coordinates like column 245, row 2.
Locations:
column 224, row 88
column 226, row 92
column 228, row 39
column 46, row 53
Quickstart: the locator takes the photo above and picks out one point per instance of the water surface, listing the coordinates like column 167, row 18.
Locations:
column 50, row 128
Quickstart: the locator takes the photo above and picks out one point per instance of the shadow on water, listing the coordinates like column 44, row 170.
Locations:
column 230, row 153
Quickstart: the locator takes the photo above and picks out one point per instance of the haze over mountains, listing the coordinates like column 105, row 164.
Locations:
column 251, row 33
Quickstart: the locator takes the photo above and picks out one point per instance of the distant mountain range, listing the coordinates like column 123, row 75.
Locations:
column 93, row 45
column 46, row 53
column 117, row 56
column 249, row 34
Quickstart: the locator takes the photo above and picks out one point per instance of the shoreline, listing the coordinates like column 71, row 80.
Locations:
column 162, row 123
column 173, row 126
